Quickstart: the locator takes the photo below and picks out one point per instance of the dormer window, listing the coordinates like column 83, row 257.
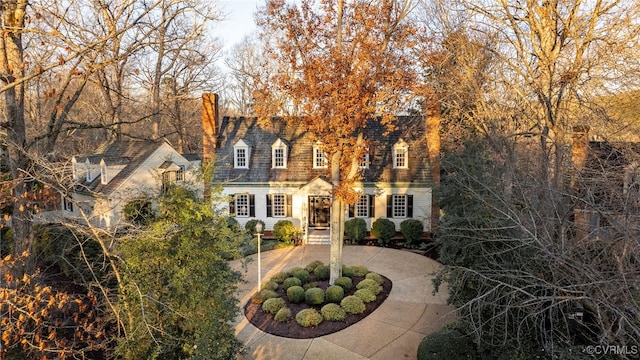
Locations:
column 363, row 163
column 400, row 155
column 241, row 155
column 319, row 157
column 279, row 155
column 87, row 168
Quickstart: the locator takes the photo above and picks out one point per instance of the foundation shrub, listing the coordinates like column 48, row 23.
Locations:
column 295, row 294
column 334, row 294
column 333, row 312
column 344, row 282
column 366, row 295
column 353, row 305
column 285, row 231
column 412, row 230
column 309, row 317
column 273, row 305
column 371, row 285
column 291, row 281
column 314, row 296
column 384, row 230
column 250, row 226
column 322, row 272
column 355, row 229
column 375, row 277
column 313, row 265
column 283, row 315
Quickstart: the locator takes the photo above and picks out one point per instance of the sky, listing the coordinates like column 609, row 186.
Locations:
column 239, row 21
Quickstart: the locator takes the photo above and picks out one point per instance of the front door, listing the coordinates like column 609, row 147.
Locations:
column 319, row 211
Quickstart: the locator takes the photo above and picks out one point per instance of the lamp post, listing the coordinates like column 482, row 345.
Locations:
column 258, row 231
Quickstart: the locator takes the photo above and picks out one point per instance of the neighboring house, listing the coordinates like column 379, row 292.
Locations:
column 607, row 187
column 278, row 173
column 119, row 172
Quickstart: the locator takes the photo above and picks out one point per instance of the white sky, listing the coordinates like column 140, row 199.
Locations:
column 239, row 21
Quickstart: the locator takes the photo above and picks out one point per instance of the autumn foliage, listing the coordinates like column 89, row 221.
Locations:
column 40, row 321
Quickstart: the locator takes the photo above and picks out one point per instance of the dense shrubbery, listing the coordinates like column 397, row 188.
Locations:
column 295, row 294
column 366, row 295
column 384, row 230
column 371, row 285
column 285, row 231
column 314, row 296
column 279, row 277
column 334, row 294
column 375, row 277
column 291, row 281
column 250, row 226
column 313, row 265
column 446, row 344
column 359, row 270
column 355, row 229
column 262, row 295
column 333, row 312
column 344, row 282
column 353, row 305
column 300, row 273
column 271, row 285
column 309, row 317
column 139, row 212
column 273, row 305
column 322, row 272
column 412, row 230
column 283, row 315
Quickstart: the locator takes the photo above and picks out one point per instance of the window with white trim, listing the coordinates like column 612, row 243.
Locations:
column 279, row 205
column 242, row 205
column 279, row 155
column 400, row 154
column 319, row 157
column 362, row 207
column 180, row 173
column 241, row 155
column 399, row 206
column 364, row 162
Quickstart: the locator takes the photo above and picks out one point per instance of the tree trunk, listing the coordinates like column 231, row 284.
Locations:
column 11, row 70
column 337, row 222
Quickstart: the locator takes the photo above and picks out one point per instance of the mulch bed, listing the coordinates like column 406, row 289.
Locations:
column 291, row 329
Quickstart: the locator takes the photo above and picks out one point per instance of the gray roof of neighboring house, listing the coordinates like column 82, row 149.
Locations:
column 131, row 153
column 300, row 152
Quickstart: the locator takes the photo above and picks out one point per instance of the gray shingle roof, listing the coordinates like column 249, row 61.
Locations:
column 300, row 152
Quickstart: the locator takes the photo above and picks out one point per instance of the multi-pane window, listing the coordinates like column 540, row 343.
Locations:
column 362, row 207
column 241, row 158
column 180, row 173
column 279, row 205
column 319, row 157
column 278, row 158
column 242, row 205
column 67, row 204
column 400, row 155
column 399, row 206
column 364, row 161
column 279, row 154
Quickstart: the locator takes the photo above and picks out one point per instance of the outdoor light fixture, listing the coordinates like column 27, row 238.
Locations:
column 258, row 232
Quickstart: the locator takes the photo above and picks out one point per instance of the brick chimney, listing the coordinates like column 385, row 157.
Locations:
column 209, row 134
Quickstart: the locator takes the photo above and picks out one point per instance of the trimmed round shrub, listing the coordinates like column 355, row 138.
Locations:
column 291, row 281
column 301, row 274
column 272, row 305
column 282, row 315
column 384, row 230
column 309, row 317
column 314, row 296
column 412, row 230
column 285, row 231
column 446, row 344
column 310, row 285
column 366, row 295
column 359, row 270
column 233, row 224
column 295, row 294
column 355, row 229
column 375, row 277
column 322, row 272
column 271, row 285
column 262, row 295
column 353, row 305
column 334, row 294
column 347, row 271
column 344, row 282
column 250, row 226
column 333, row 312
column 371, row 285
column 279, row 277
column 313, row 265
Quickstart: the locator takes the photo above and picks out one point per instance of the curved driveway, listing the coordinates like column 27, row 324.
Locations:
column 393, row 331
